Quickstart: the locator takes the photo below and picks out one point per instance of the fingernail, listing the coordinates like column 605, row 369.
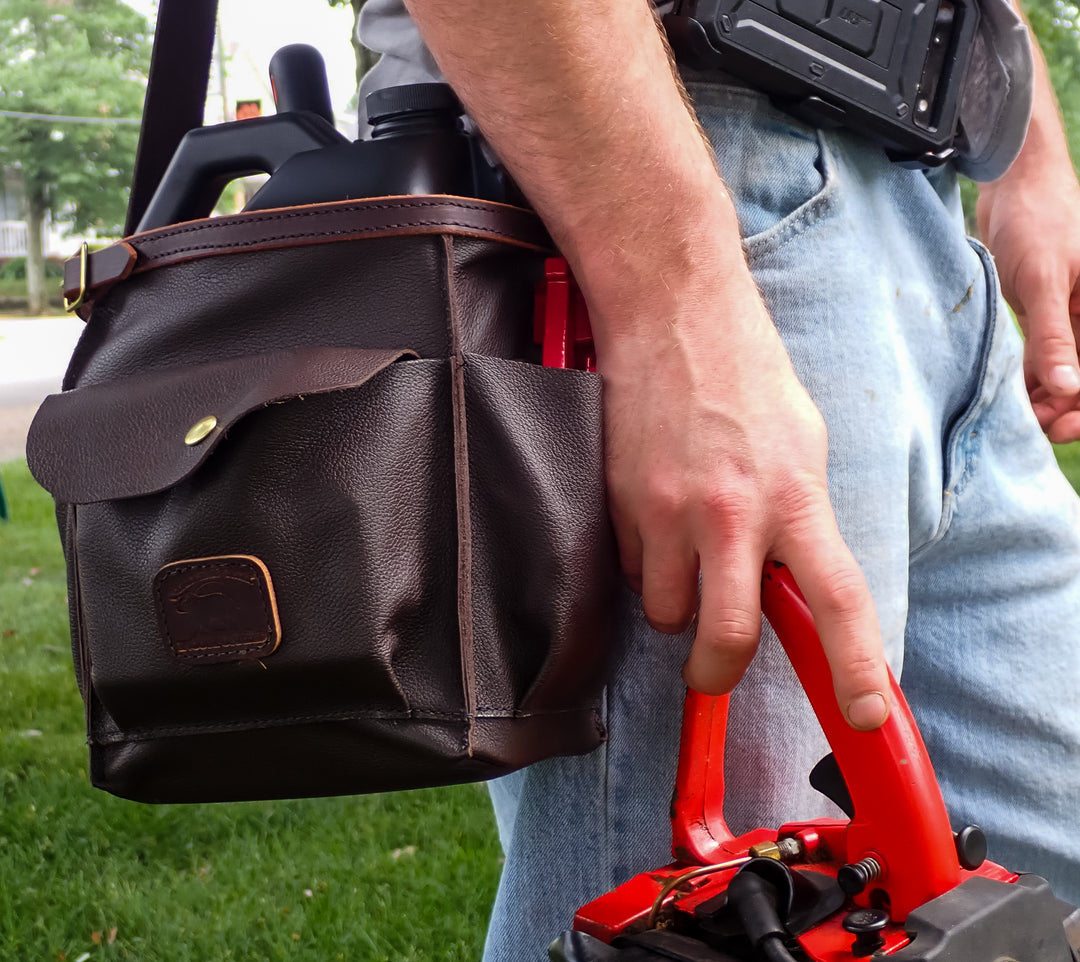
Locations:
column 1065, row 378
column 868, row 711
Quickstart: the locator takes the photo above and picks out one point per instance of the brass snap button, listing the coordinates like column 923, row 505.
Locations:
column 200, row 430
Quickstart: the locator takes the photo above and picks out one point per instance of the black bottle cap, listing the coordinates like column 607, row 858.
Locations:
column 391, row 102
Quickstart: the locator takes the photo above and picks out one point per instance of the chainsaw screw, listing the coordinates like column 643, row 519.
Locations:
column 971, row 847
column 791, row 849
column 866, row 926
column 855, row 877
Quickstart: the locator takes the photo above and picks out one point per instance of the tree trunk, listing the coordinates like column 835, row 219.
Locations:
column 35, row 254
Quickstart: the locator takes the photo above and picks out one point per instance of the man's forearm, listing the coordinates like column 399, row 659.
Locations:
column 1045, row 151
column 580, row 102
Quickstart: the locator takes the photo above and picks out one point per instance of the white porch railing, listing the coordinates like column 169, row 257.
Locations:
column 12, row 238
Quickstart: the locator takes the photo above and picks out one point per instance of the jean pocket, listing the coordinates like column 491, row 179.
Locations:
column 778, row 170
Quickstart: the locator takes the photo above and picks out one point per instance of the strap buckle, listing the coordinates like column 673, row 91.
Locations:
column 71, row 306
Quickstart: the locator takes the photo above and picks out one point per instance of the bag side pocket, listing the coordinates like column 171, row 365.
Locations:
column 544, row 563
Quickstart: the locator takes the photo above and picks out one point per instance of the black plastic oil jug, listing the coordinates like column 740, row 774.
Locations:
column 419, row 145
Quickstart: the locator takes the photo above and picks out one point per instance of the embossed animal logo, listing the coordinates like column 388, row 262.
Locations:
column 218, row 609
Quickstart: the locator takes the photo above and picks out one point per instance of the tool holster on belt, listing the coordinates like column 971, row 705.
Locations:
column 932, row 81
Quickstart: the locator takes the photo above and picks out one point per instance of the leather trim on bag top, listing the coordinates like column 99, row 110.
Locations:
column 296, row 226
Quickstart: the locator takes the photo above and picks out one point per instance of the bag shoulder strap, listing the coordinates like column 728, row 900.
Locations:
column 175, row 93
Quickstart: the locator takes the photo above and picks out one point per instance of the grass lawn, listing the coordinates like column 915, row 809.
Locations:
column 85, row 876
column 1068, row 456
column 12, row 288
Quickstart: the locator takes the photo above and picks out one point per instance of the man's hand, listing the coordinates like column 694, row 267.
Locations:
column 1032, row 226
column 715, row 454
column 717, row 462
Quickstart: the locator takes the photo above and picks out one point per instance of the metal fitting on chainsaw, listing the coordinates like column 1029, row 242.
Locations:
column 855, row 877
column 783, row 850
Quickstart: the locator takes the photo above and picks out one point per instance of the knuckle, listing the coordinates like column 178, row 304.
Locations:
column 805, row 502
column 845, row 595
column 858, row 672
column 844, row 586
column 665, row 496
column 1052, row 338
column 729, row 505
column 669, row 610
column 1031, row 273
column 1036, row 273
column 729, row 632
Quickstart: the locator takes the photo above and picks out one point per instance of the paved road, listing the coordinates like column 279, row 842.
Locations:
column 33, row 355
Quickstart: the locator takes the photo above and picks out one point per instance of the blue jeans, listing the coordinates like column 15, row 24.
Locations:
column 947, row 493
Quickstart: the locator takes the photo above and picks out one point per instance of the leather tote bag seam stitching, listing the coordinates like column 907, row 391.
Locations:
column 416, row 714
column 461, row 495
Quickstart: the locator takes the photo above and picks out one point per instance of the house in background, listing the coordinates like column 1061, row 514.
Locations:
column 13, row 227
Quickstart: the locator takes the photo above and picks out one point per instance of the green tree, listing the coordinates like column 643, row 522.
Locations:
column 70, row 59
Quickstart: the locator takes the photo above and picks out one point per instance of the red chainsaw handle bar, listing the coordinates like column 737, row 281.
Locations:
column 900, row 820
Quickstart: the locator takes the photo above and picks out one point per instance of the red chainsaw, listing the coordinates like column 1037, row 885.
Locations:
column 892, row 880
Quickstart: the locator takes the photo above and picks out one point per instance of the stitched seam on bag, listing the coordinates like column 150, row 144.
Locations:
column 145, row 734
column 461, row 499
column 86, row 685
column 324, row 212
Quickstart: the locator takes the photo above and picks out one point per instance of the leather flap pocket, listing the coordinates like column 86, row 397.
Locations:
column 141, row 435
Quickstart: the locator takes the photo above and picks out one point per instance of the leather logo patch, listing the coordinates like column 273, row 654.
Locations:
column 218, row 609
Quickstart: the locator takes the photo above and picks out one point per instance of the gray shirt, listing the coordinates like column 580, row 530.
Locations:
column 995, row 105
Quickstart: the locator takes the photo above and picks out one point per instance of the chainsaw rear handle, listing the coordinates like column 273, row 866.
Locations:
column 899, row 821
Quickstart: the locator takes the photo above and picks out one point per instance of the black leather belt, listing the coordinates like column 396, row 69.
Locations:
column 891, row 69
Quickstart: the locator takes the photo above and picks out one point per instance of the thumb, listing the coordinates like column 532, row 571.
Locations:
column 1051, row 348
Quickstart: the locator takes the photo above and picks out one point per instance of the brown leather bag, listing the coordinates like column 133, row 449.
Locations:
column 327, row 529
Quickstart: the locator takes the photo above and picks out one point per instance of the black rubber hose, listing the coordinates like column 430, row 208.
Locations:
column 773, row 950
column 754, row 899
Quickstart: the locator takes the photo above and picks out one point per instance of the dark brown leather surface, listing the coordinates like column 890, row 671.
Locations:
column 394, row 754
column 433, row 528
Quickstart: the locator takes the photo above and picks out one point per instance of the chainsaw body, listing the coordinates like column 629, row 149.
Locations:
column 892, row 880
